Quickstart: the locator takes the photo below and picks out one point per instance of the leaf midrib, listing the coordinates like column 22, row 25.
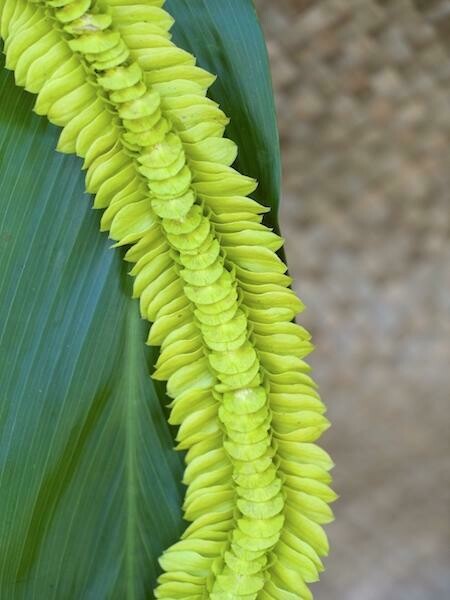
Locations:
column 131, row 400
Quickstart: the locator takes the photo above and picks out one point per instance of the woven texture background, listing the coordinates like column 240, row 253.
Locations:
column 363, row 94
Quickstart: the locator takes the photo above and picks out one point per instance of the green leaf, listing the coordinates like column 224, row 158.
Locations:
column 90, row 488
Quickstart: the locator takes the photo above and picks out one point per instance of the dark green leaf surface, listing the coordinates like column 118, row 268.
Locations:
column 89, row 481
column 89, row 492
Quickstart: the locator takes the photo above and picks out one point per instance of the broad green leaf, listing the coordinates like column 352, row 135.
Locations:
column 90, row 488
column 89, row 492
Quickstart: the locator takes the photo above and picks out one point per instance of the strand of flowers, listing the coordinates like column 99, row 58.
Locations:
column 133, row 105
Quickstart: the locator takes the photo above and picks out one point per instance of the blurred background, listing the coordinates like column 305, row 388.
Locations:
column 363, row 98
